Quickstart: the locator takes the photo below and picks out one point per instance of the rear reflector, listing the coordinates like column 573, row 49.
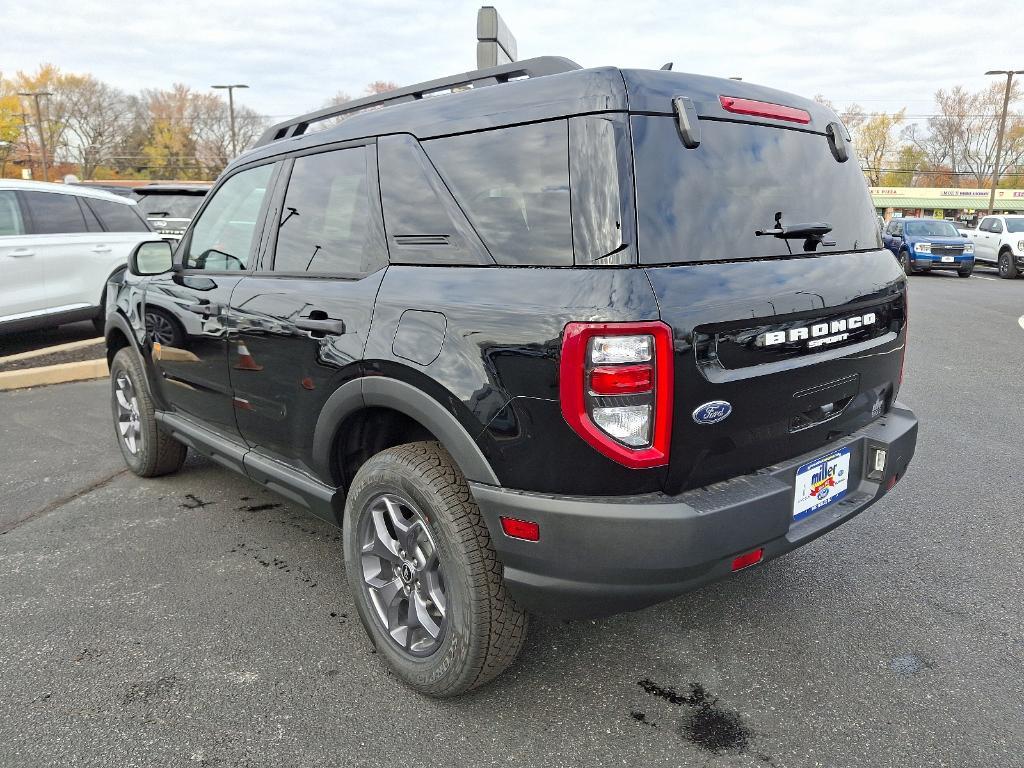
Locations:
column 520, row 529
column 764, row 109
column 622, row 379
column 747, row 560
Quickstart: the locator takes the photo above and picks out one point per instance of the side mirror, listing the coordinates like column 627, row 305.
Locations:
column 152, row 257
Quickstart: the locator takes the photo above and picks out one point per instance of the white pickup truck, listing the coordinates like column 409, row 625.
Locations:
column 999, row 240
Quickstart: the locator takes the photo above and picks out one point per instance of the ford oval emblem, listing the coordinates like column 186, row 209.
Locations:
column 713, row 412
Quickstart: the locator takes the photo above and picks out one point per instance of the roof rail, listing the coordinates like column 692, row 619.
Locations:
column 538, row 67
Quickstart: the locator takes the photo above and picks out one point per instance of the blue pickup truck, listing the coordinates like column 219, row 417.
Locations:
column 922, row 245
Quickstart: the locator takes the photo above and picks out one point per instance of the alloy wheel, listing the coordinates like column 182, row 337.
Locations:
column 159, row 329
column 402, row 576
column 129, row 421
column 1004, row 265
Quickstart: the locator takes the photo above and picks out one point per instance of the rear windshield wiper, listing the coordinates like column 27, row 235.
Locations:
column 812, row 232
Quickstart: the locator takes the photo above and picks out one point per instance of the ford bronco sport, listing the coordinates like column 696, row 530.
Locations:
column 569, row 341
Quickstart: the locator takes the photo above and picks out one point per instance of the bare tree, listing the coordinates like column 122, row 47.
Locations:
column 97, row 118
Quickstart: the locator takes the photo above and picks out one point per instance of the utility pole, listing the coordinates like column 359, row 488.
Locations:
column 231, row 111
column 1002, row 127
column 39, row 126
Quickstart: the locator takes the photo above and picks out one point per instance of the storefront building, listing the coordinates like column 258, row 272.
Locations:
column 957, row 204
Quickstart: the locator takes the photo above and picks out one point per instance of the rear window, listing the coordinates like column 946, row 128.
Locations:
column 54, row 213
column 117, row 217
column 161, row 206
column 705, row 204
column 513, row 184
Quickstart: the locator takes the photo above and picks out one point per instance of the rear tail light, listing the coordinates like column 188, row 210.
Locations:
column 748, row 559
column 615, row 384
column 906, row 339
column 764, row 109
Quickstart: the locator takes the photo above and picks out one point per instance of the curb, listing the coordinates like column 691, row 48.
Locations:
column 67, row 347
column 53, row 374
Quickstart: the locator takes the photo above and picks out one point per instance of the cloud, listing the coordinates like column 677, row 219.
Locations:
column 296, row 56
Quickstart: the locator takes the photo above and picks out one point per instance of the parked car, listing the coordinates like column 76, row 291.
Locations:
column 999, row 241
column 572, row 343
column 170, row 207
column 922, row 245
column 59, row 246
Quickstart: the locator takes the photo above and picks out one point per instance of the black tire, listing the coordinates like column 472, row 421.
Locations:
column 965, row 272
column 1007, row 266
column 905, row 263
column 155, row 452
column 163, row 327
column 483, row 629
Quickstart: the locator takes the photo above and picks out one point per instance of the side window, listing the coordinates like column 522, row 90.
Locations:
column 223, row 236
column 10, row 215
column 116, row 217
column 325, row 218
column 54, row 213
column 995, row 226
column 513, row 183
column 423, row 222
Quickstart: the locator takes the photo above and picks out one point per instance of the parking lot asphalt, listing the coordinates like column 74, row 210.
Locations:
column 198, row 620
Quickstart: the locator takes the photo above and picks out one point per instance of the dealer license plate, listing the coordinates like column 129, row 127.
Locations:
column 821, row 482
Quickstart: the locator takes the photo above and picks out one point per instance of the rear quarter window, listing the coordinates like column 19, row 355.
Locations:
column 513, row 184
column 705, row 204
column 53, row 213
column 117, row 217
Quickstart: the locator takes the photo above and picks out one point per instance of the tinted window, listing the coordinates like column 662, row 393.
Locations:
column 54, row 213
column 325, row 219
column 423, row 223
column 117, row 217
column 705, row 204
column 223, row 236
column 170, row 206
column 932, row 229
column 513, row 183
column 10, row 215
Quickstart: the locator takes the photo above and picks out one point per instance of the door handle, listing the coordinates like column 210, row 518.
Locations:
column 20, row 252
column 102, row 249
column 206, row 310
column 321, row 326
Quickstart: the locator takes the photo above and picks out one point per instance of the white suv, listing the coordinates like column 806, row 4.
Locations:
column 58, row 247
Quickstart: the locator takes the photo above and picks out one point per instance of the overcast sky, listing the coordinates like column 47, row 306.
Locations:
column 883, row 54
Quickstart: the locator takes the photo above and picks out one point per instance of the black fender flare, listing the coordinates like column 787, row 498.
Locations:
column 383, row 392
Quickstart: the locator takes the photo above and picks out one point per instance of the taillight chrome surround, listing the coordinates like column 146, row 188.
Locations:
column 579, row 398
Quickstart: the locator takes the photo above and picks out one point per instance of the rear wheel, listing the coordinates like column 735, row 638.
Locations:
column 147, row 450
column 423, row 573
column 1007, row 265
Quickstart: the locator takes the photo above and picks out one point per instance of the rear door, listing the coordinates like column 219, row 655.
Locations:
column 65, row 248
column 303, row 317
column 802, row 335
column 192, row 302
column 21, row 269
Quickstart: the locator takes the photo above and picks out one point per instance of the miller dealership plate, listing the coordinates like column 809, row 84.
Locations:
column 713, row 412
column 821, row 482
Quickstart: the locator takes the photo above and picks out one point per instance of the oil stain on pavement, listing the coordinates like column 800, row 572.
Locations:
column 707, row 726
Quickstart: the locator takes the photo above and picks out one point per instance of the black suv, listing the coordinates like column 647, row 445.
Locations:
column 565, row 340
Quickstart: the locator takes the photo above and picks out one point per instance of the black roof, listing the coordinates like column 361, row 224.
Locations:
column 482, row 100
column 173, row 189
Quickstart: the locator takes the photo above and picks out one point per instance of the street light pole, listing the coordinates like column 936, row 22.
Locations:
column 1002, row 128
column 39, row 126
column 231, row 111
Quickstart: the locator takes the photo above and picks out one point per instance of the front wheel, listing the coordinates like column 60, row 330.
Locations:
column 1007, row 266
column 147, row 450
column 965, row 271
column 423, row 573
column 905, row 263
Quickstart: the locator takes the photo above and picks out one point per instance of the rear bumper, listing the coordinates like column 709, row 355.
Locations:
column 603, row 555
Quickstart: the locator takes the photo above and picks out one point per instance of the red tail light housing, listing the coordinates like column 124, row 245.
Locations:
column 619, row 375
column 740, row 106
